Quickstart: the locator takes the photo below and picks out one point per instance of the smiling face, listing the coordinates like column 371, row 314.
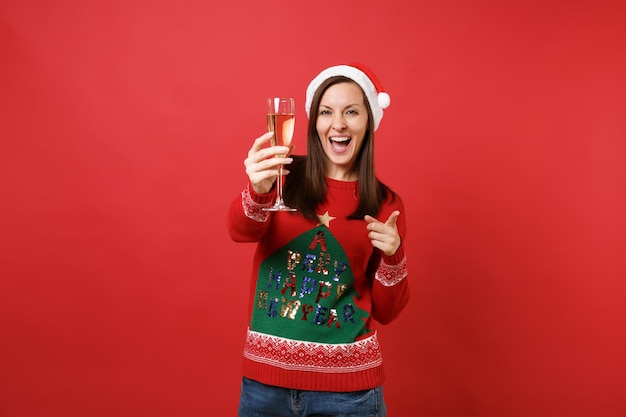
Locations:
column 342, row 122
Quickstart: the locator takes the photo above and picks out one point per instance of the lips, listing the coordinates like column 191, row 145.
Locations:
column 339, row 143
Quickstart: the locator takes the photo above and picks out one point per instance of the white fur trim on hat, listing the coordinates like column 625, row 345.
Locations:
column 378, row 100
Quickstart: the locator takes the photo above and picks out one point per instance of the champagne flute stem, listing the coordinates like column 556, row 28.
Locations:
column 279, row 185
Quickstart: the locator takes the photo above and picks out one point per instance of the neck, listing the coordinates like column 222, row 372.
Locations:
column 338, row 174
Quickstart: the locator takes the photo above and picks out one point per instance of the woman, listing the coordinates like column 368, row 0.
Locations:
column 324, row 275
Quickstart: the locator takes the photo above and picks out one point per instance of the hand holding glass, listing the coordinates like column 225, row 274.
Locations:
column 281, row 121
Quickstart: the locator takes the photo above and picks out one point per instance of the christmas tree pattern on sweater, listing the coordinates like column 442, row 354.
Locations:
column 304, row 292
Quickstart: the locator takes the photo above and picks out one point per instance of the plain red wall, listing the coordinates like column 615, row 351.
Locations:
column 123, row 127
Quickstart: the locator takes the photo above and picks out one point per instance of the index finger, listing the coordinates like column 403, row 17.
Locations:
column 261, row 140
column 370, row 219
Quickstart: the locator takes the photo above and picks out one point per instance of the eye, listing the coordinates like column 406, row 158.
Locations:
column 352, row 112
column 324, row 112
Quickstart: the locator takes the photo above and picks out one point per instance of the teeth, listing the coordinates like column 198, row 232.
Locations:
column 340, row 139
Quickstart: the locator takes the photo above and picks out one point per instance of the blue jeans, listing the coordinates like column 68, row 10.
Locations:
column 260, row 400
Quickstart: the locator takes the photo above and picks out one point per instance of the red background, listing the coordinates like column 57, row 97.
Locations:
column 123, row 129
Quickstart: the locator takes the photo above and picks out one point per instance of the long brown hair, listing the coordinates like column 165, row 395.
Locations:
column 305, row 186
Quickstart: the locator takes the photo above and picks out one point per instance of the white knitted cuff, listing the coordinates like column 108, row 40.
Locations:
column 390, row 275
column 252, row 209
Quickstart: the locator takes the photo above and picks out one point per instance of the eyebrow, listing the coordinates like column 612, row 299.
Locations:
column 348, row 106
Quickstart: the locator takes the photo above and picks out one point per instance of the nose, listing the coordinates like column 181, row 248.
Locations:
column 338, row 122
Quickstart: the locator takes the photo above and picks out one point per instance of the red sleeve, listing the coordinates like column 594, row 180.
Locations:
column 246, row 221
column 390, row 287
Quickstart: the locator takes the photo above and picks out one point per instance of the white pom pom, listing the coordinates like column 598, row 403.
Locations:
column 384, row 100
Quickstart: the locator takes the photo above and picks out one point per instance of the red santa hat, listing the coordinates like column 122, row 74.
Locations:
column 378, row 99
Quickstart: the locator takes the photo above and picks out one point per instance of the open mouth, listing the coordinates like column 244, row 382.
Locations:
column 340, row 143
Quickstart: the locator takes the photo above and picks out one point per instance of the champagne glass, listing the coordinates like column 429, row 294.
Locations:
column 281, row 121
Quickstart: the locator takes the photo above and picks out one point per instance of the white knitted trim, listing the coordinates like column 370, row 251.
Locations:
column 252, row 209
column 296, row 355
column 390, row 275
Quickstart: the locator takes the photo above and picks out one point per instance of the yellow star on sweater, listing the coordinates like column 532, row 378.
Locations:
column 325, row 219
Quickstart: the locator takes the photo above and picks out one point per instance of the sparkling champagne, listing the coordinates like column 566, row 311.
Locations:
column 282, row 125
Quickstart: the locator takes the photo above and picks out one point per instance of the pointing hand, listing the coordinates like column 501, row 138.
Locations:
column 384, row 236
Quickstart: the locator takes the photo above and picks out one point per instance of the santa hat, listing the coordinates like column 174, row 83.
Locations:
column 364, row 77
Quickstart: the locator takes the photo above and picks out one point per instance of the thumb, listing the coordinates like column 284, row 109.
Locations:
column 393, row 218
